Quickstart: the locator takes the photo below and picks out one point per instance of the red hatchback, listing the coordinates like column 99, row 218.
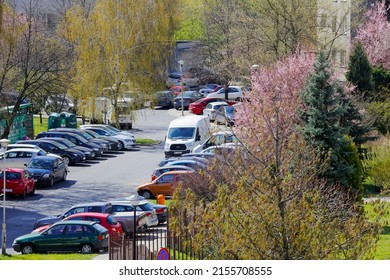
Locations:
column 198, row 106
column 18, row 182
column 104, row 219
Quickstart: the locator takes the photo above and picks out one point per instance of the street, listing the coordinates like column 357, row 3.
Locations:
column 114, row 175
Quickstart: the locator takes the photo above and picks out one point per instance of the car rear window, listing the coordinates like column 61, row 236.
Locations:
column 144, row 207
column 99, row 228
column 11, row 175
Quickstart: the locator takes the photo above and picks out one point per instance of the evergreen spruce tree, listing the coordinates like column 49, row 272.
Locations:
column 360, row 72
column 321, row 122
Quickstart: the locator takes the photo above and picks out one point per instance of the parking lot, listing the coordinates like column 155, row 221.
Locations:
column 111, row 176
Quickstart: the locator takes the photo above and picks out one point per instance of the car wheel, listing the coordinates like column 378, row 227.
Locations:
column 120, row 146
column 146, row 194
column 86, row 248
column 27, row 249
column 66, row 160
column 51, row 181
column 64, row 176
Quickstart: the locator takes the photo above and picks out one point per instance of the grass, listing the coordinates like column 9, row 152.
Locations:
column 145, row 141
column 48, row 257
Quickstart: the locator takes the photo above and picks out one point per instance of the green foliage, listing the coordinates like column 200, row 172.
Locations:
column 360, row 71
column 355, row 179
column 321, row 116
column 192, row 28
column 381, row 79
column 379, row 112
column 377, row 163
column 49, row 257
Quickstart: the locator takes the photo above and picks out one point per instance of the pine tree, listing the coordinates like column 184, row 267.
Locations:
column 360, row 72
column 321, row 118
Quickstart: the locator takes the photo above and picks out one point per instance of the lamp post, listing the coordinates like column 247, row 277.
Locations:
column 4, row 143
column 135, row 200
column 181, row 63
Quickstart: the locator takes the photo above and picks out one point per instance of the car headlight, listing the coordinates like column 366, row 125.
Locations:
column 46, row 175
column 104, row 145
column 87, row 153
column 96, row 149
column 167, row 146
column 74, row 154
column 128, row 140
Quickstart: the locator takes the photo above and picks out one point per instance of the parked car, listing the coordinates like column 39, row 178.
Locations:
column 47, row 170
column 212, row 108
column 188, row 79
column 225, row 115
column 18, row 182
column 222, row 149
column 17, row 158
column 27, row 146
column 218, row 138
column 179, row 89
column 173, row 79
column 75, row 138
column 105, row 145
column 165, row 168
column 209, row 88
column 95, row 207
column 184, row 99
column 161, row 212
column 126, row 141
column 59, row 103
column 123, row 205
column 65, row 236
column 164, row 184
column 234, row 93
column 193, row 163
column 105, row 219
column 112, row 129
column 163, row 99
column 198, row 106
column 88, row 152
column 165, row 162
column 113, row 143
column 69, row 155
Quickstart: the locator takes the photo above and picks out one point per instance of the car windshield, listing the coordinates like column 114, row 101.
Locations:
column 58, row 145
column 185, row 94
column 93, row 133
column 67, row 143
column 81, row 139
column 41, row 164
column 181, row 133
column 229, row 110
column 86, row 135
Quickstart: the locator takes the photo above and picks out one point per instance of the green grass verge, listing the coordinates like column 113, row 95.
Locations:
column 49, row 257
column 38, row 126
column 145, row 141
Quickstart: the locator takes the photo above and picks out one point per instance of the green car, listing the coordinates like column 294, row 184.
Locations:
column 65, row 236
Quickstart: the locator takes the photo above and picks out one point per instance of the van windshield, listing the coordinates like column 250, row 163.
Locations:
column 181, row 133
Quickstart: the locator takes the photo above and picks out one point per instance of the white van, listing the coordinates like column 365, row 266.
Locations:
column 184, row 133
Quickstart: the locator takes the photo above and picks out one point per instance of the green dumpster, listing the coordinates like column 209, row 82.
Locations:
column 63, row 119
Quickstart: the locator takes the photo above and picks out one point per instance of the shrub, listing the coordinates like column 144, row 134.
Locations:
column 377, row 163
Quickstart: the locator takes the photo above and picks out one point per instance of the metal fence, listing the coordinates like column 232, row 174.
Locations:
column 148, row 244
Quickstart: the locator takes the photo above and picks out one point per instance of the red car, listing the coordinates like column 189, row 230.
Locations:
column 19, row 181
column 178, row 89
column 104, row 219
column 198, row 106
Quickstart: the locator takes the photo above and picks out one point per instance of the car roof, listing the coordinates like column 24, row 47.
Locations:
column 72, row 222
column 177, row 172
column 89, row 214
column 24, row 150
column 174, row 166
column 45, row 158
column 94, row 203
column 17, row 170
column 218, row 103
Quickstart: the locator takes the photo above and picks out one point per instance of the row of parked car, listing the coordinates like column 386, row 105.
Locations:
column 45, row 160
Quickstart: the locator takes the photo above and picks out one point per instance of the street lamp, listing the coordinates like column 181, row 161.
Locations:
column 135, row 200
column 4, row 143
column 181, row 63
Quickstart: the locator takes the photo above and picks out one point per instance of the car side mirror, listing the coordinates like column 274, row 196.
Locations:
column 197, row 138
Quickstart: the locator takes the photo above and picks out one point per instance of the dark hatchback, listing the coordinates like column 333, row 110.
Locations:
column 65, row 236
column 75, row 138
column 46, row 170
column 105, row 145
column 88, row 152
column 69, row 155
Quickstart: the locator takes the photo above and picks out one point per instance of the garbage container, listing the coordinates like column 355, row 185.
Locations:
column 63, row 119
column 160, row 199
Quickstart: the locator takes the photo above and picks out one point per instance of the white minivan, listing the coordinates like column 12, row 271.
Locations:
column 184, row 133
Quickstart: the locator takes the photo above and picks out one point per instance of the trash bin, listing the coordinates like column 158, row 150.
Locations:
column 160, row 199
column 63, row 119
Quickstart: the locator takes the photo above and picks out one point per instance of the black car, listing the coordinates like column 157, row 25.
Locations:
column 69, row 155
column 163, row 99
column 98, row 207
column 114, row 144
column 105, row 145
column 75, row 138
column 88, row 152
column 47, row 170
column 184, row 99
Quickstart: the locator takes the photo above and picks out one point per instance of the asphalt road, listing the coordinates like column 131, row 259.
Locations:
column 114, row 175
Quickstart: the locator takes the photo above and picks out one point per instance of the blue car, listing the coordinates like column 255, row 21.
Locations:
column 47, row 170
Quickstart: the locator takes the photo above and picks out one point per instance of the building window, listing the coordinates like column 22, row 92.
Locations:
column 344, row 25
column 343, row 58
column 334, row 23
column 323, row 21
